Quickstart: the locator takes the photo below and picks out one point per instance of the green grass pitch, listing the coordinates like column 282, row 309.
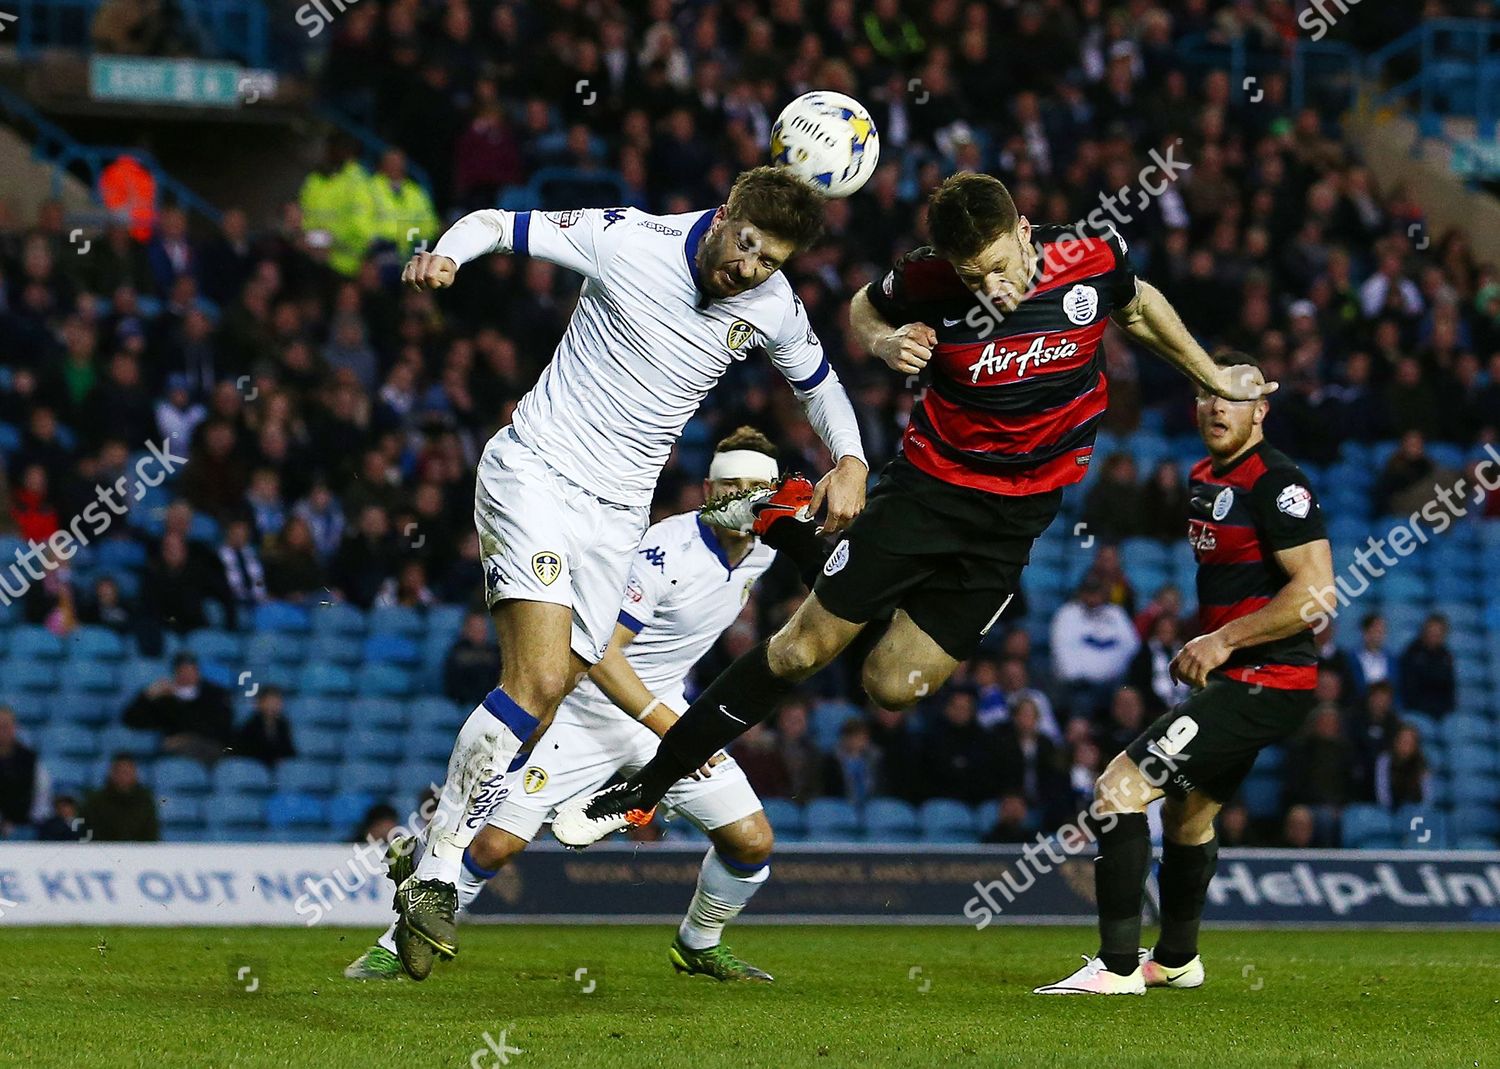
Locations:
column 861, row 997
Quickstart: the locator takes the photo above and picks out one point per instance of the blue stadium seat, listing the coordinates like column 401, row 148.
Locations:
column 1262, row 796
column 22, row 672
column 1464, row 729
column 1474, row 790
column 385, row 713
column 338, row 618
column 33, row 709
column 292, row 809
column 222, row 646
column 945, row 820
column 34, row 643
column 445, row 621
column 397, row 649
column 319, row 742
column 89, row 677
column 278, row 616
column 305, row 775
column 275, row 647
column 175, row 811
column 181, row 775
column 377, row 744
column 1473, row 842
column 94, row 643
column 95, row 710
column 831, row 820
column 307, row 710
column 68, row 740
column 828, row 718
column 427, row 742
column 397, row 620
column 1471, row 758
column 436, row 711
column 346, row 809
column 1422, row 827
column 121, row 554
column 411, row 777
column 336, row 649
column 326, row 679
column 243, row 775
column 891, row 820
column 70, row 775
column 1366, row 826
column 232, row 814
column 786, row 819
column 384, row 681
column 368, row 777
column 1476, row 821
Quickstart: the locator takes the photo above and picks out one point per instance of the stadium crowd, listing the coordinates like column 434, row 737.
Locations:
column 331, row 422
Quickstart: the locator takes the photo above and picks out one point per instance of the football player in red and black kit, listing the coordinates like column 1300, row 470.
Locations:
column 1008, row 321
column 1263, row 555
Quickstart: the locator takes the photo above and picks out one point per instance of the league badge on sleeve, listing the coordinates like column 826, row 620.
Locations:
column 1296, row 501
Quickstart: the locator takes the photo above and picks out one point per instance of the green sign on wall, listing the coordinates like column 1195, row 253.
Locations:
column 187, row 82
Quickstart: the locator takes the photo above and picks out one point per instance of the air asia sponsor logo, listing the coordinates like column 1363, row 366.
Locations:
column 996, row 360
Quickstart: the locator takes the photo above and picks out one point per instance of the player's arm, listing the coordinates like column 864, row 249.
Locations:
column 799, row 356
column 571, row 239
column 618, row 680
column 905, row 348
column 1309, row 568
column 1150, row 319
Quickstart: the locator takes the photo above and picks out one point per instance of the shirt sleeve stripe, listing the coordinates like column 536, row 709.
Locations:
column 521, row 246
column 815, row 378
column 626, row 620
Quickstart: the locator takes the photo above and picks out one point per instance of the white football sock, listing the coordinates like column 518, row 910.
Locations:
column 719, row 897
column 487, row 747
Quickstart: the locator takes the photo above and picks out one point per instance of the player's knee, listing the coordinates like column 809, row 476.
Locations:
column 1119, row 788
column 493, row 847
column 747, row 842
column 892, row 689
column 540, row 689
column 795, row 654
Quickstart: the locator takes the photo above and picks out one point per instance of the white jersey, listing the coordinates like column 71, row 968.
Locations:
column 682, row 595
column 645, row 346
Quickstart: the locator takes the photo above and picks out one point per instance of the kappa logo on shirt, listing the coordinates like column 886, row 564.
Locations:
column 547, row 566
column 613, row 216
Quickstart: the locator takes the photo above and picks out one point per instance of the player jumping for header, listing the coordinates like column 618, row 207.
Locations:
column 1016, row 396
column 562, row 494
column 1263, row 555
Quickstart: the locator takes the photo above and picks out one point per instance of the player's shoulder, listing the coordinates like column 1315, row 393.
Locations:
column 676, row 225
column 674, row 532
column 922, row 275
column 1082, row 248
column 1280, row 483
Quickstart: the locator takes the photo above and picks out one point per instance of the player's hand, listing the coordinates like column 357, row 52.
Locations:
column 429, row 271
column 844, row 490
column 1242, row 382
column 907, row 349
column 1198, row 658
column 707, row 768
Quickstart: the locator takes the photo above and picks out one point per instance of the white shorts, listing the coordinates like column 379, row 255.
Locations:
column 544, row 538
column 585, row 746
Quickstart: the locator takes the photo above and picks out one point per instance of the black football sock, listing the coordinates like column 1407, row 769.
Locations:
column 1119, row 882
column 744, row 694
column 801, row 543
column 1185, row 875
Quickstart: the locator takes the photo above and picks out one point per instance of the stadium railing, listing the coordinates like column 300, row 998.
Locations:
column 224, row 28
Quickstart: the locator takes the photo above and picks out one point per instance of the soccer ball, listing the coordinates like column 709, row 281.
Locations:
column 828, row 140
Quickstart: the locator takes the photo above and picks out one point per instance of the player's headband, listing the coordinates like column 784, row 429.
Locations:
column 744, row 464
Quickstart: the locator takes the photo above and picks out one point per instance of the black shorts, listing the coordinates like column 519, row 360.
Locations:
column 950, row 556
column 1209, row 742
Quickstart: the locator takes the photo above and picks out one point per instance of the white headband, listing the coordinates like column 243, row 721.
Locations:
column 743, row 464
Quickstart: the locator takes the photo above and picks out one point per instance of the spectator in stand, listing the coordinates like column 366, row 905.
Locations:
column 959, row 759
column 853, row 770
column 107, row 608
column 176, row 587
column 64, row 824
column 1233, row 826
column 177, row 415
column 1150, row 671
column 1299, row 830
column 403, row 211
column 193, row 715
column 1164, row 504
column 1372, row 663
column 1030, row 764
column 265, row 735
column 1372, row 732
column 473, row 664
column 1410, row 478
column 758, row 752
column 1127, row 719
column 1014, row 824
column 243, row 573
column 293, row 572
column 1320, row 768
column 890, row 734
column 377, row 825
column 800, row 755
column 1428, row 682
column 1093, row 643
column 1166, row 601
column 1401, row 774
column 367, row 556
column 324, row 519
column 1113, row 509
column 1109, row 571
column 122, row 810
column 1333, row 661
column 25, row 790
column 33, row 514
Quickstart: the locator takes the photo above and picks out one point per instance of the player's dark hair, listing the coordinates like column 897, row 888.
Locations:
column 1233, row 357
column 967, row 213
column 746, row 437
column 778, row 203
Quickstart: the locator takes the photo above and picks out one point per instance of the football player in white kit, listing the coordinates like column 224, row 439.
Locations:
column 668, row 303
column 688, row 583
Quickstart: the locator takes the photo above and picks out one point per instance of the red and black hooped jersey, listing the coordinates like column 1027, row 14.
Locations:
column 1013, row 405
column 1238, row 518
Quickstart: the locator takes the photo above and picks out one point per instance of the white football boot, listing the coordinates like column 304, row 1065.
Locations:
column 1159, row 975
column 1095, row 979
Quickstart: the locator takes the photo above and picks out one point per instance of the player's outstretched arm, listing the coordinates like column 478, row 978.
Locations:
column 1309, row 568
column 906, row 348
column 571, row 239
column 1151, row 320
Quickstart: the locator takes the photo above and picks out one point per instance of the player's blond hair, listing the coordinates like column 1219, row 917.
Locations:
column 746, row 437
